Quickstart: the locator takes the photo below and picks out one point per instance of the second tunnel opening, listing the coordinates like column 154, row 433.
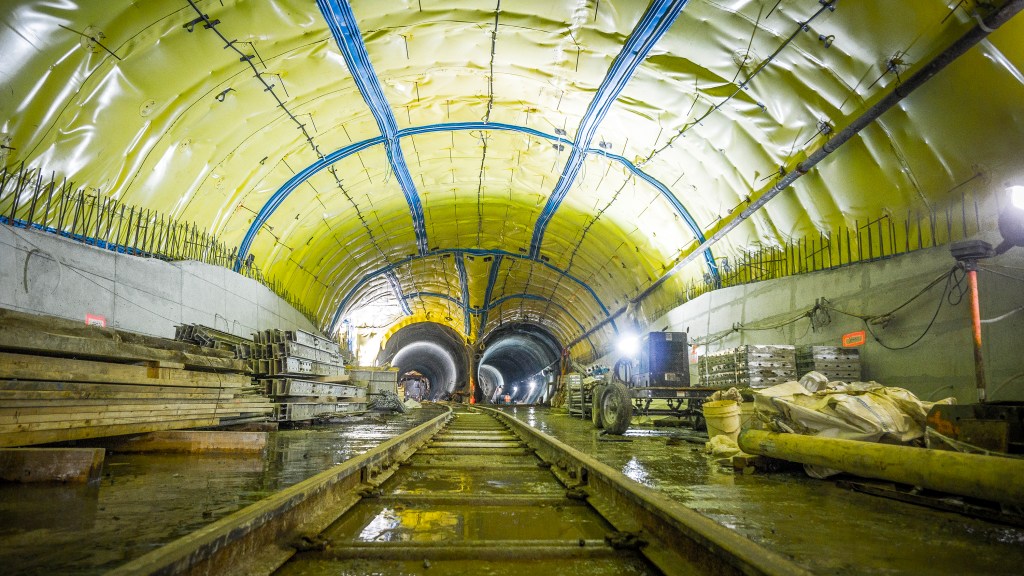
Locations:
column 517, row 362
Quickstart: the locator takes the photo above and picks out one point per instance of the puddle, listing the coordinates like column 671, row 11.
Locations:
column 147, row 500
column 823, row 527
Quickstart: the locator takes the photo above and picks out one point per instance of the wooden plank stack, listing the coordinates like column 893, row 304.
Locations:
column 61, row 380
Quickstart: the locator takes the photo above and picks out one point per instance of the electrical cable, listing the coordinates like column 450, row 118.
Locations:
column 1017, row 278
column 952, row 282
column 1002, row 317
column 820, row 314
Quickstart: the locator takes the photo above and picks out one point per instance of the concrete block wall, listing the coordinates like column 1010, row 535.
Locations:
column 940, row 365
column 46, row 274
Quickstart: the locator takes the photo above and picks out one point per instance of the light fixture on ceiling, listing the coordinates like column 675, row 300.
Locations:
column 1016, row 194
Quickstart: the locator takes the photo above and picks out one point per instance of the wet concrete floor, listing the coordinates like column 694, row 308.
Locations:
column 147, row 500
column 827, row 529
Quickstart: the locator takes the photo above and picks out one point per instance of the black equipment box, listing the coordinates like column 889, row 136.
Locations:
column 664, row 360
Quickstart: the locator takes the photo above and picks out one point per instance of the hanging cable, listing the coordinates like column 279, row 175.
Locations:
column 820, row 314
column 953, row 293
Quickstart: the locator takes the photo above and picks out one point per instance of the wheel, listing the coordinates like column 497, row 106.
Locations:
column 616, row 407
column 699, row 424
column 595, row 407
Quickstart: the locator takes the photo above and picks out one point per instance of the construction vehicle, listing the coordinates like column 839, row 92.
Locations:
column 654, row 382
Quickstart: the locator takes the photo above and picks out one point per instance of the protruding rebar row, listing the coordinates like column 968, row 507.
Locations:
column 28, row 199
column 875, row 239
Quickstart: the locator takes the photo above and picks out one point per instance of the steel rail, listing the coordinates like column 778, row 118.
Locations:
column 256, row 538
column 259, row 539
column 679, row 540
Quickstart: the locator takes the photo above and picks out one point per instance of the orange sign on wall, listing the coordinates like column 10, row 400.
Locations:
column 854, row 339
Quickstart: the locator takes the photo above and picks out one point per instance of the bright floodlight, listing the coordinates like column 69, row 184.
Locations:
column 532, row 385
column 1017, row 196
column 629, row 344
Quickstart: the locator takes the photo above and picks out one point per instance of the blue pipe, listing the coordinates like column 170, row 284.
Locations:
column 492, row 279
column 301, row 176
column 396, row 287
column 652, row 26
column 342, row 22
column 460, row 266
column 294, row 182
column 485, row 309
column 473, row 252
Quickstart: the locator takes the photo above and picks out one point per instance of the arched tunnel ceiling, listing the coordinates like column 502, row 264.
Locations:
column 485, row 163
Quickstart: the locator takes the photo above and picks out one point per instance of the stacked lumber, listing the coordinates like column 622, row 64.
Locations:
column 61, row 380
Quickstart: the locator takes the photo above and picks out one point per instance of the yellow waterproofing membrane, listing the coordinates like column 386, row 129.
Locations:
column 143, row 102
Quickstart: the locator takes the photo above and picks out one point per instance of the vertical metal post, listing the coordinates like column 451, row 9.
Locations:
column 17, row 192
column 979, row 363
column 35, row 199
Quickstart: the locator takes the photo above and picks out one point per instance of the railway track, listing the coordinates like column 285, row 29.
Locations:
column 472, row 491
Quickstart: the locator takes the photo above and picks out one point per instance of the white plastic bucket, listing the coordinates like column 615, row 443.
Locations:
column 723, row 418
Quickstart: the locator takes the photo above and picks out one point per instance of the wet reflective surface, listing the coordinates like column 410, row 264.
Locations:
column 147, row 500
column 825, row 528
column 454, row 510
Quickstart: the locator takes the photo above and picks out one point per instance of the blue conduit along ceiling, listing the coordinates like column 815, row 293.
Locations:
column 481, row 165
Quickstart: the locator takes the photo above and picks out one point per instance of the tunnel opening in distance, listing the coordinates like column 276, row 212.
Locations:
column 433, row 350
column 516, row 363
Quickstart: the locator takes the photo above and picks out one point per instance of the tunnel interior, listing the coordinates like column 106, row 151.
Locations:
column 432, row 349
column 516, row 362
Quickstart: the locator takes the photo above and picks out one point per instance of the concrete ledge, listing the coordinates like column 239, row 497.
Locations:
column 192, row 441
column 51, row 464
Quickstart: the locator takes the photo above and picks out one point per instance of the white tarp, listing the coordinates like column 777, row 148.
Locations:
column 866, row 411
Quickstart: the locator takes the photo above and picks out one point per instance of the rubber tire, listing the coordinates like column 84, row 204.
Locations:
column 595, row 407
column 616, row 408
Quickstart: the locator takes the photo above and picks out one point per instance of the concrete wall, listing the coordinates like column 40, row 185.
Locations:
column 940, row 365
column 47, row 274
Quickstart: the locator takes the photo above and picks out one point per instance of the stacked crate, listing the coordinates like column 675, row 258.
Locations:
column 305, row 376
column 748, row 366
column 207, row 337
column 834, row 362
column 295, row 353
column 572, row 384
column 375, row 380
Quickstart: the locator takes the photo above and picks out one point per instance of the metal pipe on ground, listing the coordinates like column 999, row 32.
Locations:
column 992, row 478
column 918, row 79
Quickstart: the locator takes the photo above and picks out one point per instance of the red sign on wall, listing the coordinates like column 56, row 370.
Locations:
column 854, row 339
column 95, row 320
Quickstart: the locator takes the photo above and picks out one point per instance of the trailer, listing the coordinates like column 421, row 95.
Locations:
column 656, row 383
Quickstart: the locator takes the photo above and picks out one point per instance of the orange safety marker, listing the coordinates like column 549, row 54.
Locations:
column 854, row 339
